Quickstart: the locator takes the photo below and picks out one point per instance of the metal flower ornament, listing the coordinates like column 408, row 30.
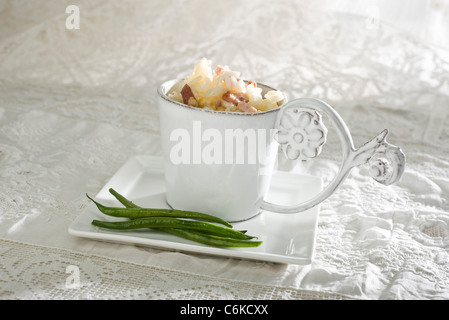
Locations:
column 301, row 133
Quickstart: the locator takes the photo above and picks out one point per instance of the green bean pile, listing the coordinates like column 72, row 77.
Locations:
column 191, row 225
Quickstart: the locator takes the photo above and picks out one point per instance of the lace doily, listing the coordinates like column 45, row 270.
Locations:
column 76, row 104
column 32, row 272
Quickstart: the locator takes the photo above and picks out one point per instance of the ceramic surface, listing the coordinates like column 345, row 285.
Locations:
column 286, row 238
column 206, row 171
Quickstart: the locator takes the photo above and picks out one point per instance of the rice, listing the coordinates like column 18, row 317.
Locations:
column 222, row 89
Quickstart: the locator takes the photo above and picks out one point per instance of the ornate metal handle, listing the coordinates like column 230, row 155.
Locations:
column 301, row 135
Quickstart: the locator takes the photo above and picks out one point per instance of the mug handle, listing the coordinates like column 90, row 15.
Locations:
column 301, row 135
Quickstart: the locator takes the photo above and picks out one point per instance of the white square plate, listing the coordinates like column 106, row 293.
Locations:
column 287, row 238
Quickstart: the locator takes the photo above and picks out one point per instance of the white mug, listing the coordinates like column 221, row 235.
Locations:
column 221, row 162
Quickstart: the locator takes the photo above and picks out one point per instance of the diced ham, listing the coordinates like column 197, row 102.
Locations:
column 246, row 107
column 240, row 100
column 235, row 98
column 219, row 70
column 188, row 97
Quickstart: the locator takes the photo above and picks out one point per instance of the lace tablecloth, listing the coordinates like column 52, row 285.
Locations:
column 75, row 104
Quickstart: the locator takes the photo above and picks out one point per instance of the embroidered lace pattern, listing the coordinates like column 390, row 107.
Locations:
column 76, row 104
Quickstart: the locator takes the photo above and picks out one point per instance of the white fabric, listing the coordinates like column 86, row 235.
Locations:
column 76, row 104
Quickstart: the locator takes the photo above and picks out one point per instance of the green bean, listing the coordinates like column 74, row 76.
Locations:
column 129, row 204
column 123, row 200
column 211, row 240
column 205, row 233
column 165, row 222
column 139, row 212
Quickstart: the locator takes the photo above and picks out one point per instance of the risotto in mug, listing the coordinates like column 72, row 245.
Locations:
column 222, row 89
